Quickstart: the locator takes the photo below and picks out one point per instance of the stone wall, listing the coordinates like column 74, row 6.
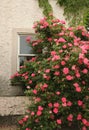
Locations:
column 11, row 110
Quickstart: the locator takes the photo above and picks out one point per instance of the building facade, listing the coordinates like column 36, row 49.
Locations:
column 16, row 20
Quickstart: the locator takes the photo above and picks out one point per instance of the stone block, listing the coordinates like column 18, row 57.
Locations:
column 13, row 105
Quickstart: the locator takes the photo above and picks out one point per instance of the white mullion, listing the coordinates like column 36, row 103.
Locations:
column 27, row 54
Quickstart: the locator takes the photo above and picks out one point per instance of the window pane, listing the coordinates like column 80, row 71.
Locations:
column 23, row 59
column 24, row 46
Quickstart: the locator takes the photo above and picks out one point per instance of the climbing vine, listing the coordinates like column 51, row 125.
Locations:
column 74, row 10
column 45, row 5
column 86, row 20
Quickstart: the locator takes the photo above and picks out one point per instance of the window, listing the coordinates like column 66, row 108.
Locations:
column 25, row 51
column 21, row 51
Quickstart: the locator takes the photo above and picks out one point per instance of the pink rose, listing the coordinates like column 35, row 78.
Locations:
column 76, row 85
column 81, row 56
column 57, row 73
column 64, row 104
column 71, row 34
column 27, row 129
column 61, row 40
column 63, row 99
column 33, row 75
column 26, row 76
column 45, row 85
column 85, row 71
column 77, row 75
column 59, row 121
column 40, row 108
column 35, row 25
column 69, row 103
column 28, row 39
column 60, row 51
column 46, row 77
column 83, row 82
column 62, row 22
column 70, row 117
column 84, row 121
column 55, row 58
column 61, row 34
column 84, row 128
column 20, row 122
column 30, row 81
column 79, row 117
column 55, row 110
column 35, row 91
column 70, row 28
column 64, row 46
column 24, row 119
column 56, row 67
column 80, row 103
column 50, row 105
column 63, row 62
column 39, row 113
column 53, row 53
column 78, row 89
column 56, row 104
column 86, row 61
column 65, row 70
column 32, row 113
column 74, row 67
column 37, row 99
column 47, row 70
column 58, row 93
column 67, row 58
column 50, row 39
column 69, row 77
column 70, row 44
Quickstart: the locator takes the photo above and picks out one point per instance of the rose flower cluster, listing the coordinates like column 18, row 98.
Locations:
column 57, row 78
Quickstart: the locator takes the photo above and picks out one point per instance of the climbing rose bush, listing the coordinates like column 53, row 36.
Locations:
column 57, row 78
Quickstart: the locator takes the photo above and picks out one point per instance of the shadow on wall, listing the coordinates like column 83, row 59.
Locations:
column 6, row 89
column 8, row 122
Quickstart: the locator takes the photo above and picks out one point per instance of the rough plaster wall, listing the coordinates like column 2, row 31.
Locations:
column 16, row 14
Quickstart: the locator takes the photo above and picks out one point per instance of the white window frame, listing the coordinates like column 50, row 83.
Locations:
column 21, row 55
column 16, row 47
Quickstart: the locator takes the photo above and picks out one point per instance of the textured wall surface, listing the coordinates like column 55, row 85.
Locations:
column 16, row 14
column 13, row 105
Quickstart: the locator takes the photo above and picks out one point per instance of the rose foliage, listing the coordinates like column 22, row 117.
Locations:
column 57, row 78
